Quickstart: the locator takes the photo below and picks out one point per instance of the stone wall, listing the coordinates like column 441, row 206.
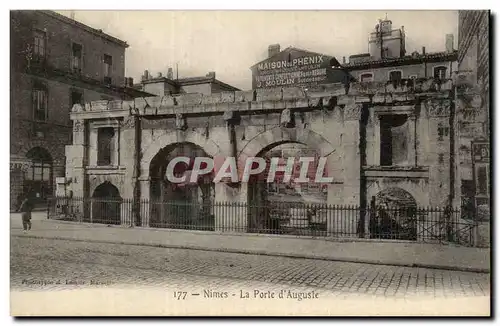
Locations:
column 333, row 119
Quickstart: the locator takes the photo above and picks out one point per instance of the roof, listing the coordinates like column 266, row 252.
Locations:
column 87, row 28
column 189, row 81
column 291, row 48
column 203, row 80
column 406, row 60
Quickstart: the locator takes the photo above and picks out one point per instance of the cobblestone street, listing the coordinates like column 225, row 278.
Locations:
column 34, row 261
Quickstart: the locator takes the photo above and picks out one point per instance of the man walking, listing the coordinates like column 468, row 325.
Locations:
column 25, row 208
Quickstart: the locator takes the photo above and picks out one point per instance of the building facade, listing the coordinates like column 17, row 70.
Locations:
column 473, row 111
column 293, row 67
column 379, row 140
column 168, row 85
column 55, row 63
column 388, row 60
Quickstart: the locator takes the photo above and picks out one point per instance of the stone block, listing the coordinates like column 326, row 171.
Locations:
column 140, row 104
column 167, row 101
column 314, row 102
column 99, row 105
column 290, row 93
column 378, row 98
column 271, row 94
column 211, row 99
column 153, row 101
column 189, row 99
column 128, row 105
column 334, row 89
column 227, row 97
column 244, row 96
column 150, row 110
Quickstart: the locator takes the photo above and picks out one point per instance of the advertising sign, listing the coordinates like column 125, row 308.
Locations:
column 481, row 152
column 293, row 67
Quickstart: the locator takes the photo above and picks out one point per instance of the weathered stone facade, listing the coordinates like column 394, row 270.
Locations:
column 46, row 79
column 473, row 107
column 347, row 125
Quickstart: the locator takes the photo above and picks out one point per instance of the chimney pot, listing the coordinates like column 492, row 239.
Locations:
column 170, row 73
column 343, row 59
column 159, row 75
column 273, row 49
column 211, row 74
column 449, row 43
column 423, row 50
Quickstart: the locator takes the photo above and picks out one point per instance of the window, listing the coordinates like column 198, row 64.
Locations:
column 442, row 131
column 393, row 139
column 76, row 59
column 366, row 77
column 76, row 98
column 105, row 138
column 39, row 45
column 395, row 75
column 40, row 102
column 440, row 72
column 108, row 63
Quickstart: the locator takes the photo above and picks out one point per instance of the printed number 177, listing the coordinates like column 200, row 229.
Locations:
column 180, row 295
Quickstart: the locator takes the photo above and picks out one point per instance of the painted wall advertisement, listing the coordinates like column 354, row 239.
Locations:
column 295, row 68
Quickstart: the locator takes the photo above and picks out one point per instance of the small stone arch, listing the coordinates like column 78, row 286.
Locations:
column 106, row 204
column 396, row 215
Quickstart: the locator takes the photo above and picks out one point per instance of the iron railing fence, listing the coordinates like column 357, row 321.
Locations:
column 441, row 225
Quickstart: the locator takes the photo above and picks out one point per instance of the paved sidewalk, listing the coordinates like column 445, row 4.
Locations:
column 388, row 253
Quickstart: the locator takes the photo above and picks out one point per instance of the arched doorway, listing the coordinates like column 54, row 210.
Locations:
column 106, row 204
column 284, row 206
column 38, row 178
column 183, row 206
column 396, row 218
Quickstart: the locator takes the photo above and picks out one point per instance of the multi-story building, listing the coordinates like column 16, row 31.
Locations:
column 388, row 59
column 293, row 67
column 56, row 62
column 169, row 85
column 473, row 105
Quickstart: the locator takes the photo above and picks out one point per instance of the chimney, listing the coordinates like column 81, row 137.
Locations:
column 131, row 82
column 211, row 74
column 423, row 50
column 449, row 43
column 343, row 60
column 146, row 75
column 159, row 75
column 170, row 73
column 273, row 49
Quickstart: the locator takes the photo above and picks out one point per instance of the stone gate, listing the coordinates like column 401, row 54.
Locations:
column 375, row 136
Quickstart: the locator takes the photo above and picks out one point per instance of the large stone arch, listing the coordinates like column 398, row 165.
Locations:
column 278, row 135
column 171, row 138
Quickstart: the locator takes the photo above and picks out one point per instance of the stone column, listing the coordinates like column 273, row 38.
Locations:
column 93, row 147
column 115, row 159
column 230, row 209
column 376, row 139
column 145, row 198
column 412, row 141
column 351, row 171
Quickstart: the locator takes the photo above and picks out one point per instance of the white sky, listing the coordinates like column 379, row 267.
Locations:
column 229, row 42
